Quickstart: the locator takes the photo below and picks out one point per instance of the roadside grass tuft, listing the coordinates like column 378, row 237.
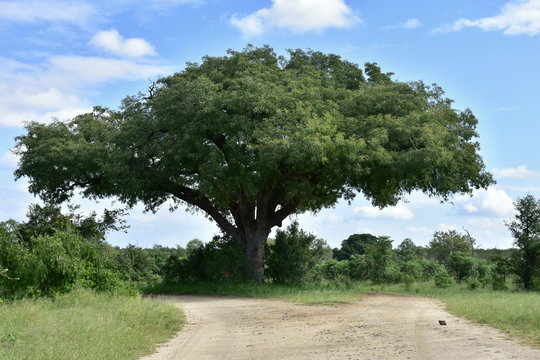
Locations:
column 331, row 293
column 85, row 325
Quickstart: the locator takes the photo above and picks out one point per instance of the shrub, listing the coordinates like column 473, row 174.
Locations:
column 331, row 270
column 442, row 279
column 220, row 259
column 293, row 254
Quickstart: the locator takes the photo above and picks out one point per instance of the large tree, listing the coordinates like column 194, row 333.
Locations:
column 252, row 137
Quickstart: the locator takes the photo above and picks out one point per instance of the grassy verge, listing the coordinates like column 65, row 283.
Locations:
column 303, row 294
column 85, row 325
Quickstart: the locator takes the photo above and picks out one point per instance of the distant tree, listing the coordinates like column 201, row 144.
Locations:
column 525, row 228
column 502, row 268
column 48, row 219
column 460, row 265
column 407, row 250
column 254, row 137
column 445, row 242
column 135, row 263
column 194, row 245
column 355, row 244
column 159, row 255
column 379, row 257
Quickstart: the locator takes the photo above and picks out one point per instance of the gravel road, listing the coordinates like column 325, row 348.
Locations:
column 379, row 326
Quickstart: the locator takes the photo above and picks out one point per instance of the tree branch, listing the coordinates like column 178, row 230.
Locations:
column 194, row 197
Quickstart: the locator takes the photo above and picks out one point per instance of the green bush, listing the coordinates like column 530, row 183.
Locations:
column 442, row 279
column 293, row 254
column 220, row 259
column 54, row 263
column 331, row 270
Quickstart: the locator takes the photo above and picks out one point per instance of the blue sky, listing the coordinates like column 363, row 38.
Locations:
column 58, row 58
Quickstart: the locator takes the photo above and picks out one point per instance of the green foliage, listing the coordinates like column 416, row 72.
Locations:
column 293, row 254
column 379, row 257
column 55, row 256
column 332, row 270
column 500, row 271
column 48, row 219
column 407, row 250
column 411, row 268
column 252, row 137
column 460, row 265
column 219, row 260
column 135, row 264
column 525, row 228
column 442, row 279
column 354, row 245
column 444, row 242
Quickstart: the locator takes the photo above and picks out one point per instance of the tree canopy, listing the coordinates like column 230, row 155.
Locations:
column 252, row 137
column 525, row 228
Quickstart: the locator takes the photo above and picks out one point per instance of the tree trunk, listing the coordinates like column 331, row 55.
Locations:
column 254, row 249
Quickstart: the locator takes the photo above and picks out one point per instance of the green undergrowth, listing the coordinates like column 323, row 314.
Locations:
column 85, row 325
column 303, row 294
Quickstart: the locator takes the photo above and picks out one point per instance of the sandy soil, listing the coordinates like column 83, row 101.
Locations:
column 376, row 327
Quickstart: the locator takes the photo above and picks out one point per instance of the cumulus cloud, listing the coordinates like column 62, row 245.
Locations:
column 300, row 16
column 398, row 212
column 420, row 199
column 30, row 11
column 515, row 18
column 485, row 223
column 111, row 41
column 411, row 24
column 408, row 24
column 494, row 202
column 56, row 88
column 520, row 172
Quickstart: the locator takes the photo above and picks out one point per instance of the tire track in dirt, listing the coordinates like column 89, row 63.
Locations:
column 378, row 326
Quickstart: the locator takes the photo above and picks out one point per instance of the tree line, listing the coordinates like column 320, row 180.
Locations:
column 52, row 253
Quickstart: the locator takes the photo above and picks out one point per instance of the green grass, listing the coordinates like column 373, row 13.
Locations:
column 85, row 325
column 303, row 294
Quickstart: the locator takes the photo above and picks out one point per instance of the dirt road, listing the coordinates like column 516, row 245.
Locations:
column 376, row 327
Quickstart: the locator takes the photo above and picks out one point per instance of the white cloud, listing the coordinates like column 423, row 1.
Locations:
column 57, row 87
column 516, row 17
column 300, row 16
column 420, row 199
column 493, row 202
column 470, row 208
column 114, row 43
column 486, row 223
column 398, row 212
column 520, row 172
column 29, row 11
column 411, row 24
